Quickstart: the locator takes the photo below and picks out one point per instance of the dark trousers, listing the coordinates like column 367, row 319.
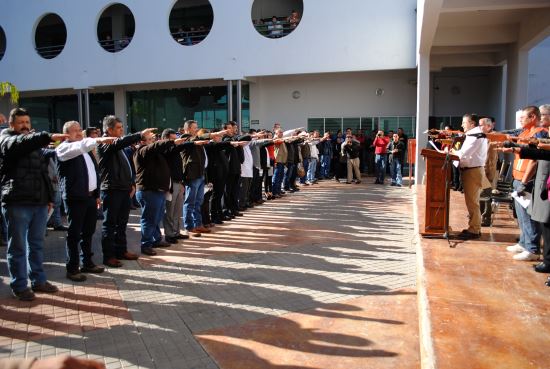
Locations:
column 116, row 210
column 290, row 176
column 82, row 217
column 256, row 187
column 545, row 228
column 268, row 181
column 232, row 192
column 217, row 194
column 205, row 207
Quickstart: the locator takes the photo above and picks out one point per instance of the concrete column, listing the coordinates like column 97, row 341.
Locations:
column 517, row 79
column 87, row 107
column 229, row 100
column 80, row 114
column 239, row 104
column 423, row 91
column 120, row 107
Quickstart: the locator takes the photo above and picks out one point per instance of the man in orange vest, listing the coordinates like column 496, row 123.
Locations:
column 524, row 172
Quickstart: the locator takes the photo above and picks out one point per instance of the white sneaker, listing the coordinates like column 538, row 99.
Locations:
column 526, row 256
column 517, row 248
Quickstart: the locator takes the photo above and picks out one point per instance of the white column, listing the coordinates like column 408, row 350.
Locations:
column 423, row 90
column 120, row 107
column 517, row 83
column 239, row 112
column 229, row 100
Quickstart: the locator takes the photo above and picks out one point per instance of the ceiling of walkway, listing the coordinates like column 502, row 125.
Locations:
column 481, row 33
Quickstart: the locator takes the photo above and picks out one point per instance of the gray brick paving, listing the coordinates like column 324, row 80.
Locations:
column 354, row 243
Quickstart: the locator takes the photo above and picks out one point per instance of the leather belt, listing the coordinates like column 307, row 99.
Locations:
column 468, row 168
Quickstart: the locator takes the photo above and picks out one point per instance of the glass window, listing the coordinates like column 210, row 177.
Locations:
column 366, row 124
column 408, row 125
column 389, row 124
column 115, row 28
column 50, row 36
column 353, row 123
column 276, row 19
column 316, row 123
column 191, row 21
column 2, row 43
column 333, row 125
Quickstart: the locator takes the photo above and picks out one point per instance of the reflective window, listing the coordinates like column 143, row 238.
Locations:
column 190, row 21
column 353, row 123
column 366, row 124
column 170, row 108
column 50, row 36
column 276, row 19
column 2, row 43
column 51, row 112
column 115, row 28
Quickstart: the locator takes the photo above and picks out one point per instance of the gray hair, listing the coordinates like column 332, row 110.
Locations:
column 545, row 107
column 188, row 123
column 110, row 121
column 69, row 124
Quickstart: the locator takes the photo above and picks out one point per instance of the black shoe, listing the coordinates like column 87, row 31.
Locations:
column 217, row 221
column 92, row 268
column 148, row 251
column 467, row 235
column 171, row 240
column 76, row 277
column 25, row 295
column 542, row 268
column 238, row 214
column 295, row 188
column 161, row 244
column 182, row 236
column 61, row 227
column 45, row 287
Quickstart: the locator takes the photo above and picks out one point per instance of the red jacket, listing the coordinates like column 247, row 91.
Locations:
column 381, row 145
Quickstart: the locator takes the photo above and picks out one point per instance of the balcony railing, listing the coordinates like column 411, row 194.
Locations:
column 190, row 38
column 49, row 52
column 115, row 45
column 277, row 30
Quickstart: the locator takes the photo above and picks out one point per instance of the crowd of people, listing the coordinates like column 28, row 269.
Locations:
column 477, row 177
column 188, row 180
column 276, row 27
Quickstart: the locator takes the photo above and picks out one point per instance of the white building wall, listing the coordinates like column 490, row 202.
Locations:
column 332, row 95
column 351, row 35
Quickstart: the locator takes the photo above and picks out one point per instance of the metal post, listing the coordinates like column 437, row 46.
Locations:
column 87, row 107
column 239, row 103
column 79, row 95
column 229, row 100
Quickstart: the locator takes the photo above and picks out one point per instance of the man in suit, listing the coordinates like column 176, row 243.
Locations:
column 117, row 189
column 79, row 184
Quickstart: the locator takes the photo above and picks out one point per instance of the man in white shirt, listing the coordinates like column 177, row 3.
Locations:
column 473, row 155
column 79, row 183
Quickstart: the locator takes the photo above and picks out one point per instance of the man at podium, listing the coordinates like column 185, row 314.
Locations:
column 473, row 155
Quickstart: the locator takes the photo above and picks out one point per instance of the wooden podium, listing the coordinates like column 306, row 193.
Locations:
column 438, row 188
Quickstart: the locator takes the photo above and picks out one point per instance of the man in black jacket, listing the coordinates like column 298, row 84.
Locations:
column 235, row 156
column 153, row 186
column 117, row 188
column 396, row 157
column 352, row 149
column 79, row 184
column 27, row 194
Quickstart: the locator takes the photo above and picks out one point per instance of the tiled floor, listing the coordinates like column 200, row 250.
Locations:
column 322, row 278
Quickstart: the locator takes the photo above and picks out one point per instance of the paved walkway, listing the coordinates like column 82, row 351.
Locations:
column 324, row 278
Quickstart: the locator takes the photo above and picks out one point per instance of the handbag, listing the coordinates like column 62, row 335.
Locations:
column 300, row 171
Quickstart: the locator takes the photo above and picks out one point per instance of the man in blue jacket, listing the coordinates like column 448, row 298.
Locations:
column 27, row 194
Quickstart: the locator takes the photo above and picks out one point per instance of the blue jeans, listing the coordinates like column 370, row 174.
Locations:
column 529, row 237
column 311, row 170
column 194, row 194
column 395, row 169
column 278, row 175
column 380, row 162
column 152, row 205
column 26, row 229
column 325, row 166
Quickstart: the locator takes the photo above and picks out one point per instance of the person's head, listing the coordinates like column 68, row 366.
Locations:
column 168, row 134
column 400, row 131
column 112, row 126
column 231, row 128
column 20, row 121
column 269, row 134
column 73, row 129
column 529, row 117
column 279, row 133
column 315, row 134
column 469, row 121
column 486, row 124
column 190, row 127
column 276, row 126
column 348, row 131
column 395, row 137
column 92, row 132
column 149, row 139
column 447, row 128
column 380, row 133
column 545, row 115
column 251, row 131
column 274, row 19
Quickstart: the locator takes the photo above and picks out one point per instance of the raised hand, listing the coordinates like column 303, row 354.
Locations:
column 105, row 140
column 201, row 142
column 59, row 137
column 179, row 141
column 147, row 132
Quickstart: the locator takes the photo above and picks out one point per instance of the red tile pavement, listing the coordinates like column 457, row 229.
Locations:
column 74, row 309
